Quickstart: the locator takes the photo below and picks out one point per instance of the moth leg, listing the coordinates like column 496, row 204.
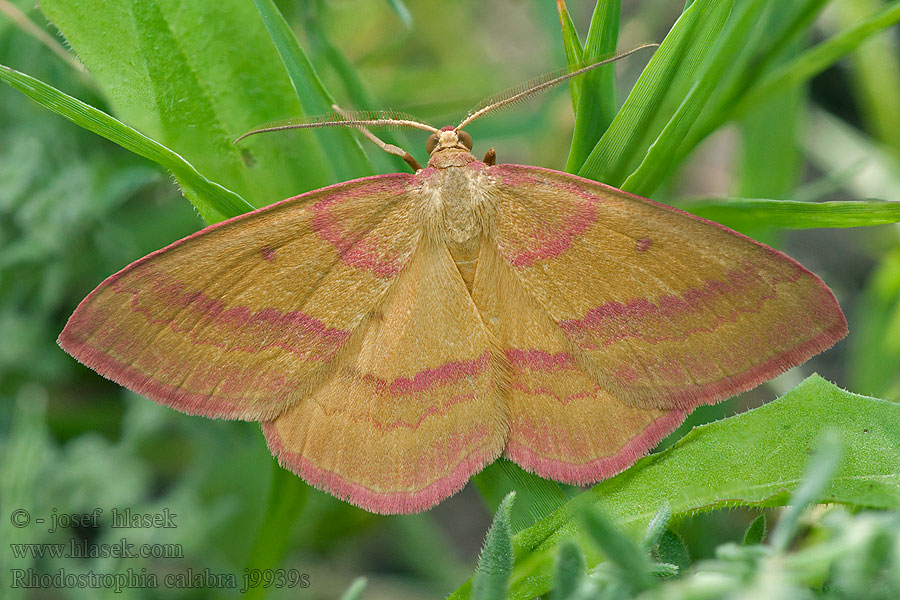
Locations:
column 490, row 157
column 389, row 148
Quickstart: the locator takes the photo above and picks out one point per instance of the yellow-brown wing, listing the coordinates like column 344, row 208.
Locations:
column 242, row 318
column 562, row 424
column 413, row 407
column 661, row 308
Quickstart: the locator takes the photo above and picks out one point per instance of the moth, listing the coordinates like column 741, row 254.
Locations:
column 395, row 334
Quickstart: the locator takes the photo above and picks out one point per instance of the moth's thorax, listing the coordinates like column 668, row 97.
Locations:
column 450, row 157
column 458, row 206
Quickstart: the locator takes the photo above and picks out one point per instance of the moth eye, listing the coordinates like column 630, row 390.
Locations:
column 431, row 143
column 465, row 138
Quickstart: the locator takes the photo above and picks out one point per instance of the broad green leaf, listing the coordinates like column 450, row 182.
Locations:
column 212, row 201
column 496, row 560
column 195, row 76
column 597, row 97
column 658, row 93
column 574, row 51
column 348, row 159
column 714, row 467
column 742, row 213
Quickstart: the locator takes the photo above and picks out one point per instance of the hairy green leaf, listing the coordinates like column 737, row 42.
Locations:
column 756, row 531
column 672, row 550
column 496, row 560
column 569, row 572
column 712, row 467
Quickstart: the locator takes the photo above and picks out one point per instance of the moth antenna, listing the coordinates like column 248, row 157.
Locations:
column 538, row 85
column 389, row 148
column 340, row 118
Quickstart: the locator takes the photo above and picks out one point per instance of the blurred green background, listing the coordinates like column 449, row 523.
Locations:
column 75, row 208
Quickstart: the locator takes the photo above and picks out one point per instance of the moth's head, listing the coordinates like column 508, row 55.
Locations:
column 448, row 138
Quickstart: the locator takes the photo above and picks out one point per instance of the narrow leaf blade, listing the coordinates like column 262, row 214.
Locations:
column 212, row 201
column 741, row 213
column 660, row 90
column 597, row 101
column 573, row 48
column 347, row 157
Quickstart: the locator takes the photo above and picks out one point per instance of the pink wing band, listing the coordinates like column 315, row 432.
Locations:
column 525, row 445
column 372, row 500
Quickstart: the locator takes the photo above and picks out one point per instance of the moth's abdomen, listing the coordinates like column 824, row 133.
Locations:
column 465, row 255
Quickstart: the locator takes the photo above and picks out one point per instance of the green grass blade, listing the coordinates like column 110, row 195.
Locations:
column 875, row 74
column 778, row 27
column 347, row 158
column 402, row 11
column 287, row 497
column 212, row 201
column 665, row 152
column 874, row 363
column 659, row 92
column 360, row 96
column 597, row 99
column 822, row 466
column 356, row 589
column 741, row 213
column 709, row 468
column 771, row 162
column 863, row 167
column 783, row 25
column 818, row 58
column 574, row 51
